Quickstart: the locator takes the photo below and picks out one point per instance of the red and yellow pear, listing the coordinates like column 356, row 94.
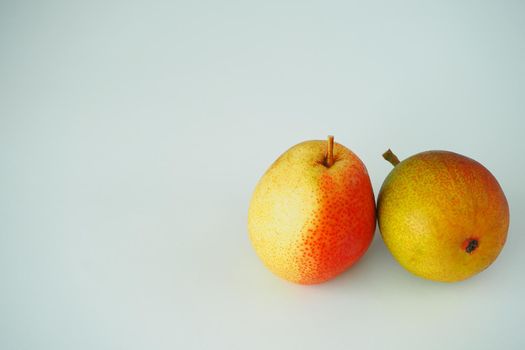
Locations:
column 312, row 214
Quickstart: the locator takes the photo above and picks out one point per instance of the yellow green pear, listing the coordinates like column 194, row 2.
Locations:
column 443, row 216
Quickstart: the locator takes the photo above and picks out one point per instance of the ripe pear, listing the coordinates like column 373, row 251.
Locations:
column 443, row 216
column 312, row 214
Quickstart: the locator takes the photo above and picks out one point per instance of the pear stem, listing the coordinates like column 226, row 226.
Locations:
column 391, row 157
column 330, row 151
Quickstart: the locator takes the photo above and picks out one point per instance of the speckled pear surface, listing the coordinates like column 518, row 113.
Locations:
column 443, row 216
column 309, row 222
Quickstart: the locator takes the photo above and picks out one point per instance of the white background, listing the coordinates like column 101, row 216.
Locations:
column 132, row 134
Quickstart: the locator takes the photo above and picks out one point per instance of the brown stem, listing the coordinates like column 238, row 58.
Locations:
column 391, row 157
column 330, row 152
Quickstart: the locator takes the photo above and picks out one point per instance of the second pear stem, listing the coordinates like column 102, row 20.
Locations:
column 391, row 157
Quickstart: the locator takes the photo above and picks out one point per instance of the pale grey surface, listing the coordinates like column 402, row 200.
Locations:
column 132, row 135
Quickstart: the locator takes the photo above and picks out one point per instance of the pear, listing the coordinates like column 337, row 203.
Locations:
column 443, row 216
column 312, row 214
